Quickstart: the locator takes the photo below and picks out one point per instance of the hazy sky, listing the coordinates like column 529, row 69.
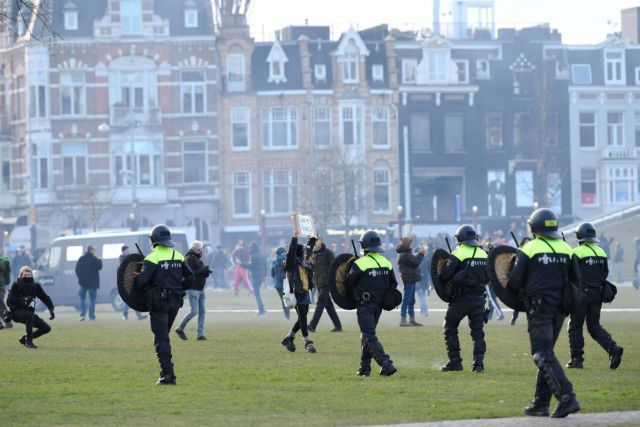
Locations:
column 579, row 21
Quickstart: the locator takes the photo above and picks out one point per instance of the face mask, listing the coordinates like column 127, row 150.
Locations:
column 27, row 279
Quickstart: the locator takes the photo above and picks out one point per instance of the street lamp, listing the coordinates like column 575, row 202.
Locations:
column 474, row 211
column 131, row 125
column 400, row 209
column 263, row 227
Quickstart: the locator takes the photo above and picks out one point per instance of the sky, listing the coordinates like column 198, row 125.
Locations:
column 579, row 21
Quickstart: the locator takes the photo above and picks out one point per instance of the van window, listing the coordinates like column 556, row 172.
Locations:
column 73, row 253
column 54, row 256
column 112, row 250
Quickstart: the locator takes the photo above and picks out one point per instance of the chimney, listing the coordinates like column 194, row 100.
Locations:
column 436, row 17
column 630, row 25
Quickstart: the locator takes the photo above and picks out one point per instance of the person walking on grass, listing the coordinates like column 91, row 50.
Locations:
column 409, row 266
column 88, row 271
column 300, row 278
column 278, row 275
column 257, row 266
column 196, row 293
column 321, row 259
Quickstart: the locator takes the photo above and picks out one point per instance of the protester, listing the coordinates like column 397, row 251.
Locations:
column 21, row 259
column 409, row 266
column 618, row 260
column 278, row 275
column 321, row 259
column 257, row 266
column 423, row 286
column 5, row 280
column 219, row 264
column 88, row 271
column 196, row 293
column 241, row 257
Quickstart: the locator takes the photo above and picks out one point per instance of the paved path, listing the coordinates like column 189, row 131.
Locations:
column 630, row 418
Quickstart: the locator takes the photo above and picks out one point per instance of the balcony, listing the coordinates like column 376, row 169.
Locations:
column 124, row 116
column 620, row 153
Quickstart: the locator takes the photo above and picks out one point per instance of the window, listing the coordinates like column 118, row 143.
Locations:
column 130, row 16
column 320, row 72
column 322, row 126
column 192, row 90
column 112, row 250
column 377, row 73
column 613, row 67
column 587, row 124
column 73, row 253
column 74, row 163
column 436, row 66
column 453, row 132
column 494, row 131
column 352, row 124
column 280, row 191
column 581, row 74
column 381, row 190
column 524, row 188
column 521, row 128
column 637, row 129
column 482, row 69
column 38, row 95
column 420, row 132
column 522, row 83
column 235, row 72
column 40, row 166
column 588, row 185
column 350, row 63
column 615, row 129
column 142, row 162
column 621, row 181
column 71, row 20
column 72, row 94
column 5, row 159
column 280, row 127
column 133, row 89
column 380, row 126
column 194, row 161
column 462, row 68
column 240, row 128
column 276, row 71
column 191, row 18
column 409, row 67
column 241, row 187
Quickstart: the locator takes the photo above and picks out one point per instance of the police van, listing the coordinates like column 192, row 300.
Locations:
column 55, row 269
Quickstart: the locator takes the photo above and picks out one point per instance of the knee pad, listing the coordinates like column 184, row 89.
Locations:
column 541, row 359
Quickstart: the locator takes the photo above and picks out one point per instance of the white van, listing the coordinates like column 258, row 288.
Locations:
column 55, row 269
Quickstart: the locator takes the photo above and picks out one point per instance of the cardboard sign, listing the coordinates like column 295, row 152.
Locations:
column 304, row 225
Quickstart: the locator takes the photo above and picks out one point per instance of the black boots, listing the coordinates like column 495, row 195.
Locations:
column 615, row 356
column 166, row 380
column 478, row 364
column 27, row 343
column 576, row 362
column 454, row 363
column 538, row 408
column 289, row 344
column 377, row 351
column 568, row 405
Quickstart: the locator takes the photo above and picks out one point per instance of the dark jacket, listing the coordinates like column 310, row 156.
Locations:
column 219, row 260
column 5, row 270
column 299, row 271
column 408, row 264
column 88, row 271
column 543, row 267
column 467, row 269
column 371, row 274
column 321, row 261
column 257, row 264
column 277, row 271
column 165, row 268
column 22, row 296
column 594, row 268
column 200, row 271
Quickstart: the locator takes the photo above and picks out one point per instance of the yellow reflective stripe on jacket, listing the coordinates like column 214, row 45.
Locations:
column 538, row 246
column 368, row 261
column 465, row 251
column 163, row 253
column 585, row 251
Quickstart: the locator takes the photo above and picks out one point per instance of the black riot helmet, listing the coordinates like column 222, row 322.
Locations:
column 370, row 242
column 586, row 232
column 467, row 234
column 544, row 222
column 160, row 235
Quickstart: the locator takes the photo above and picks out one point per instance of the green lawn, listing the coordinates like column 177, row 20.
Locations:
column 103, row 372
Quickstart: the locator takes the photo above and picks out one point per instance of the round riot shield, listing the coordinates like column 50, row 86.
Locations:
column 338, row 271
column 134, row 296
column 499, row 263
column 439, row 260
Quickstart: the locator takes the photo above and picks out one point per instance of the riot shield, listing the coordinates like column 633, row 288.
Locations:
column 439, row 260
column 337, row 273
column 132, row 295
column 499, row 263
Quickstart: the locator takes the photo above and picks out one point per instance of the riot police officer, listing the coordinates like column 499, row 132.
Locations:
column 543, row 268
column 369, row 278
column 467, row 270
column 166, row 274
column 594, row 269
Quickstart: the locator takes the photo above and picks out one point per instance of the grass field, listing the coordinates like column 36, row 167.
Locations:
column 103, row 372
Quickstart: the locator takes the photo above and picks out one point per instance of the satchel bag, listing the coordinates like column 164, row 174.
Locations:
column 609, row 291
column 288, row 297
column 392, row 299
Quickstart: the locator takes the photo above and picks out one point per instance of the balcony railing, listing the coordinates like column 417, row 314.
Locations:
column 620, row 153
column 124, row 116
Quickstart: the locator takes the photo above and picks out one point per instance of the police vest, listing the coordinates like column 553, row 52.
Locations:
column 168, row 264
column 375, row 279
column 471, row 275
column 592, row 260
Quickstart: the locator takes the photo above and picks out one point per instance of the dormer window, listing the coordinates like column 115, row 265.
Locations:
column 190, row 15
column 350, row 63
column 70, row 16
column 409, row 71
column 130, row 16
column 614, row 66
column 276, row 59
column 377, row 73
column 320, row 72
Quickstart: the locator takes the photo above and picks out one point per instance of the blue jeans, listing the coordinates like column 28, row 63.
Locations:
column 93, row 293
column 408, row 299
column 422, row 297
column 196, row 301
column 257, row 284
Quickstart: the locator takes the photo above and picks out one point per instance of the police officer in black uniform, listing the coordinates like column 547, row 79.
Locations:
column 369, row 278
column 467, row 269
column 166, row 275
column 594, row 270
column 22, row 301
column 543, row 267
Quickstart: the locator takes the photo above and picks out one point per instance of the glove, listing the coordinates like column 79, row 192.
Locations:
column 52, row 315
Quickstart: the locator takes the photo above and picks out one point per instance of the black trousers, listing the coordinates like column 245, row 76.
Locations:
column 472, row 307
column 324, row 303
column 162, row 318
column 31, row 320
column 368, row 317
column 589, row 311
column 301, row 323
column 544, row 328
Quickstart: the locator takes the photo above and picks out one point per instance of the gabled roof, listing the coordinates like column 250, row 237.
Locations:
column 350, row 35
column 277, row 54
column 260, row 67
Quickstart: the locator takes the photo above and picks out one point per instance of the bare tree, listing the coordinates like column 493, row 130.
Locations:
column 34, row 15
column 83, row 207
